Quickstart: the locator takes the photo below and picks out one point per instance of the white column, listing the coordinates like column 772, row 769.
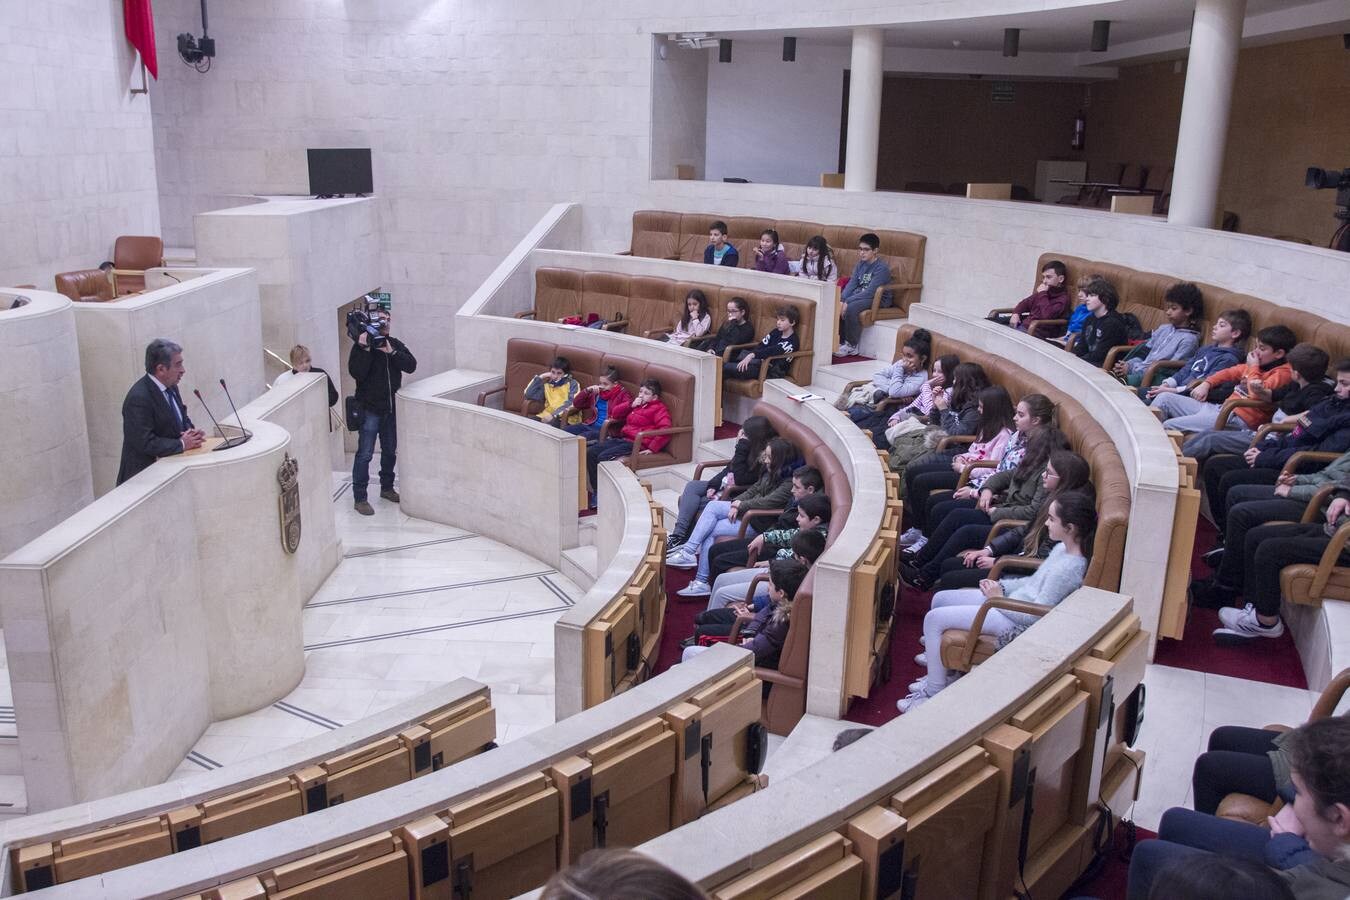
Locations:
column 864, row 111
column 1216, row 38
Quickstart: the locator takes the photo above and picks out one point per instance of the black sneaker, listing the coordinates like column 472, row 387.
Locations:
column 688, row 642
column 1213, row 557
column 674, row 540
column 1212, row 594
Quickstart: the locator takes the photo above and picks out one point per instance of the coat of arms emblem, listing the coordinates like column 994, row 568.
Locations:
column 288, row 504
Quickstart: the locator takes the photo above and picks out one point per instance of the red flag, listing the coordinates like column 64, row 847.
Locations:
column 140, row 24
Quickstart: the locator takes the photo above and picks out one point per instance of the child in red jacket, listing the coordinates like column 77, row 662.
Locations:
column 602, row 402
column 647, row 413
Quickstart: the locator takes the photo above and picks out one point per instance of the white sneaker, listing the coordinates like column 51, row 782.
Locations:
column 917, row 684
column 846, row 349
column 681, row 547
column 910, row 536
column 1242, row 624
column 915, row 698
column 923, row 641
column 681, row 559
column 921, row 659
column 696, row 588
column 914, row 548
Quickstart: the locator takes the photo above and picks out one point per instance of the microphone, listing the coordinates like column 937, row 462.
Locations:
column 200, row 400
column 245, row 433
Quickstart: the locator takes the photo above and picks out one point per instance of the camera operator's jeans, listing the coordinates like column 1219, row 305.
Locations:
column 374, row 425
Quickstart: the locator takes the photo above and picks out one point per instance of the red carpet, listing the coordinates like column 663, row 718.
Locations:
column 679, row 623
column 1272, row 661
column 840, row 360
column 1109, row 883
column 879, row 708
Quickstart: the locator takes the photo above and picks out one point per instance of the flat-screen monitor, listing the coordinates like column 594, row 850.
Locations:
column 333, row 172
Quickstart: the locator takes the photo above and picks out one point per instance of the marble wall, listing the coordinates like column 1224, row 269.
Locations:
column 77, row 156
column 132, row 624
column 216, row 319
column 43, row 405
column 490, row 472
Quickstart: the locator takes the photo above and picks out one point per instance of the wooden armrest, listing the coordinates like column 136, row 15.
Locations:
column 848, row 388
column 1003, row 525
column 1331, row 697
column 893, row 403
column 1017, row 562
column 1330, row 556
column 1043, row 324
column 1001, row 311
column 1233, row 403
column 1270, row 428
column 529, row 407
column 707, row 464
column 973, row 636
column 702, row 339
column 741, row 622
column 483, row 395
column 754, row 583
column 654, row 333
column 952, row 440
column 755, row 514
column 726, row 354
column 1151, row 373
column 1070, row 341
column 643, row 435
column 1114, row 354
column 1291, row 465
column 618, row 325
column 1313, row 511
column 604, row 429
column 764, row 363
column 971, row 467
column 773, row 676
column 528, row 314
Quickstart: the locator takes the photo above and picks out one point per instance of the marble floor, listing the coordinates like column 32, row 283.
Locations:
column 412, row 605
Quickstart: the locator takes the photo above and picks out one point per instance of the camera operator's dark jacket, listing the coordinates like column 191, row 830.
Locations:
column 378, row 374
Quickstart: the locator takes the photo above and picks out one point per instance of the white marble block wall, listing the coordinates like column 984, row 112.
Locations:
column 43, row 405
column 494, row 473
column 132, row 624
column 216, row 319
column 77, row 154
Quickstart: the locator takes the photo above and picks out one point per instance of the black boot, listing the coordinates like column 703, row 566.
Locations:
column 1210, row 593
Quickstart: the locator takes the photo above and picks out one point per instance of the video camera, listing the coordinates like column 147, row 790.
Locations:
column 361, row 321
column 1339, row 181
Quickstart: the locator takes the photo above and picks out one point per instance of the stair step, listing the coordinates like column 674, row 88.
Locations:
column 830, row 380
column 578, row 564
column 878, row 340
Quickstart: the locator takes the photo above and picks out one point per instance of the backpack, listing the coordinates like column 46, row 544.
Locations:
column 1133, row 330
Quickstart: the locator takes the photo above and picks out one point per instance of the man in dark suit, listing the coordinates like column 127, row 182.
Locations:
column 155, row 422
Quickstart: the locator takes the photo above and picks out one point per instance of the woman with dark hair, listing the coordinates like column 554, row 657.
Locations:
column 818, row 261
column 1066, row 471
column 1014, row 493
column 695, row 321
column 743, row 470
column 720, row 517
column 992, row 434
column 1072, row 522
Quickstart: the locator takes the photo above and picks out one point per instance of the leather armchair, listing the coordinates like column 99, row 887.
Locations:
column 132, row 255
column 87, row 285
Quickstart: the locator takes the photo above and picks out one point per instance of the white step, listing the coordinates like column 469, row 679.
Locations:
column 180, row 257
column 578, row 564
column 878, row 341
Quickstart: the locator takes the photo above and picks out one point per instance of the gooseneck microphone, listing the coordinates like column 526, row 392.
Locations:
column 245, row 434
column 202, row 401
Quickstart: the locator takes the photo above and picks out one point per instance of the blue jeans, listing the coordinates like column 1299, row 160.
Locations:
column 1185, row 833
column 374, row 424
column 589, row 432
column 712, row 524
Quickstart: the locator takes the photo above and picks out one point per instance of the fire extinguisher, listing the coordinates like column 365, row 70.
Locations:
column 1079, row 131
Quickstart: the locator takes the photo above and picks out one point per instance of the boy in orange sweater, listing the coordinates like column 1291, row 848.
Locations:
column 1264, row 372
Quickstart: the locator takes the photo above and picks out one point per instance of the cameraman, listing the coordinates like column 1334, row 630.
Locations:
column 378, row 365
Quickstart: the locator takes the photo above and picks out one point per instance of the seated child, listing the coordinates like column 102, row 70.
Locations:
column 1227, row 337
column 606, row 399
column 735, row 552
column 1105, row 328
column 735, row 330
column 1080, row 312
column 719, row 517
column 870, row 273
column 744, row 470
column 1265, row 371
column 765, row 634
column 935, row 394
column 695, row 321
column 818, row 261
column 1306, row 844
column 1072, row 522
column 902, row 380
column 556, row 389
column 1178, row 339
column 720, row 251
column 729, row 590
column 769, row 255
column 783, row 339
column 647, row 413
column 1050, row 300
